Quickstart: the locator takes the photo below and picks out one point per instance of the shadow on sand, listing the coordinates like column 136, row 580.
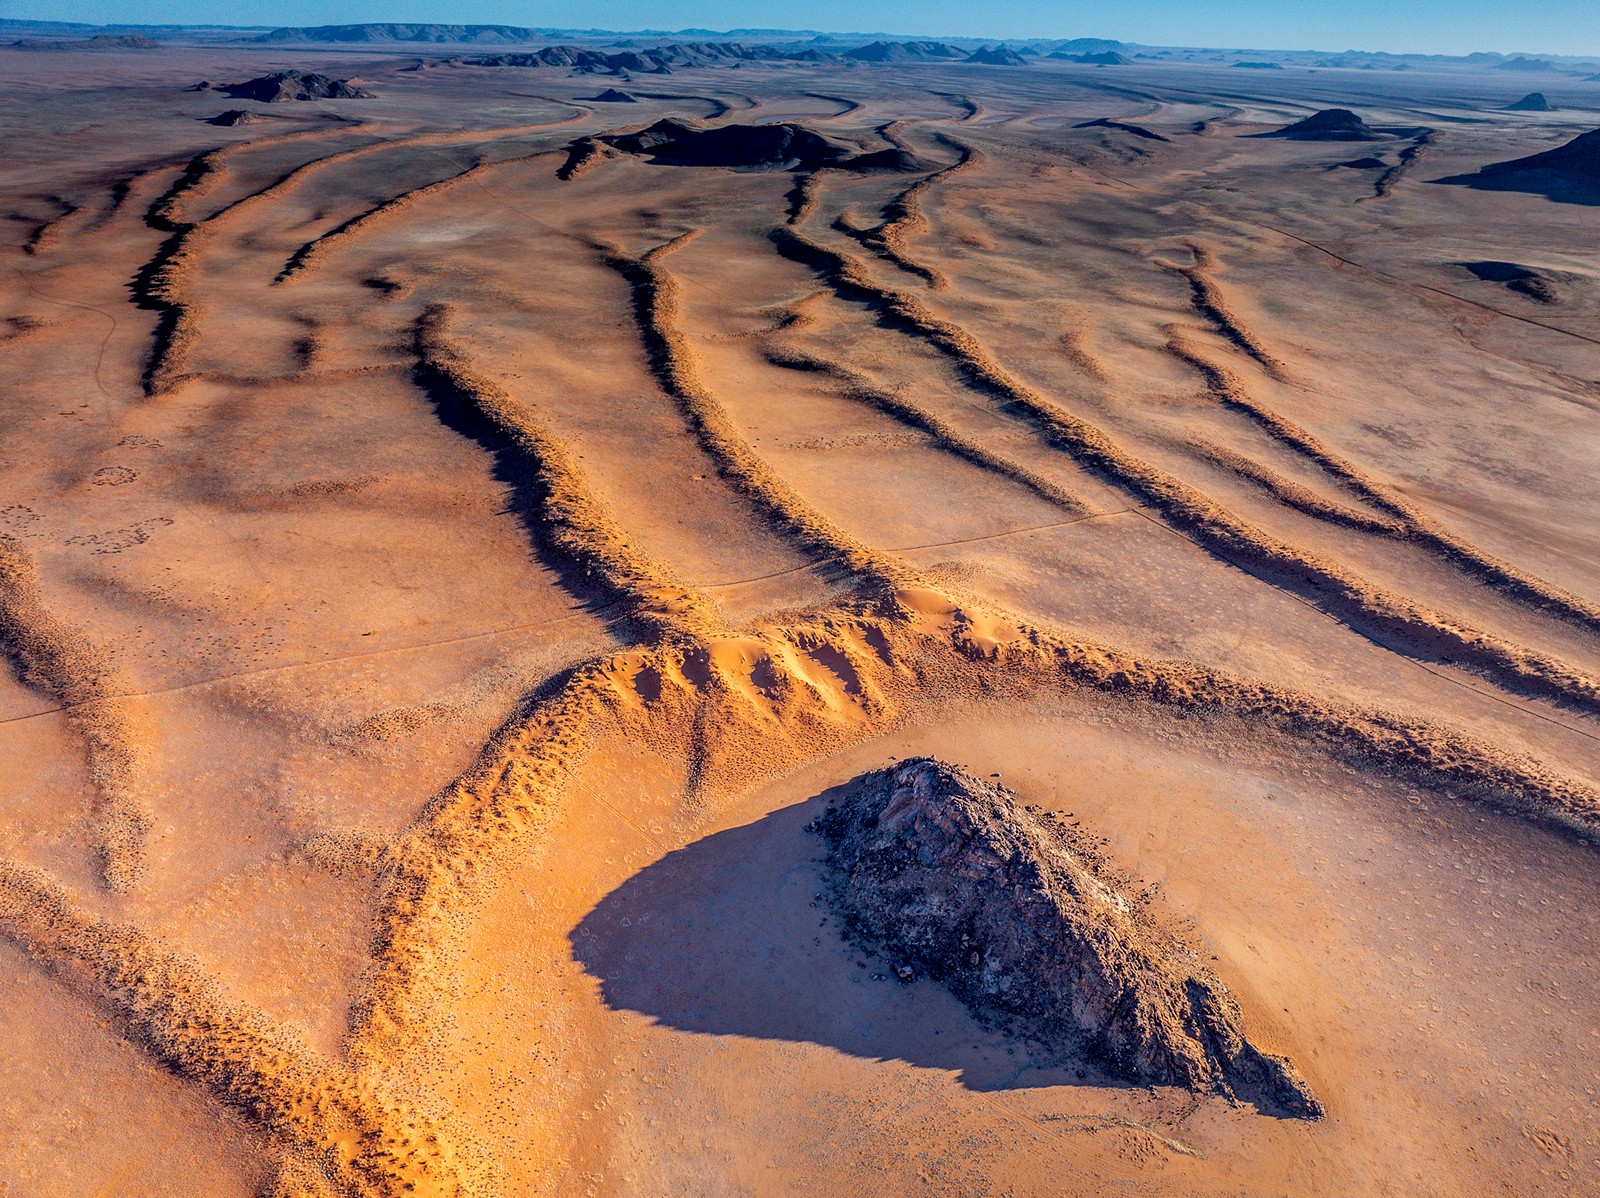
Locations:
column 1553, row 185
column 1568, row 174
column 728, row 937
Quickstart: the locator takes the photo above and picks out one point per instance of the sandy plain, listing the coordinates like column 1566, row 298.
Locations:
column 438, row 593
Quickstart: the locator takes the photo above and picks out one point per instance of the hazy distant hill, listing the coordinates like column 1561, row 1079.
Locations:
column 1089, row 45
column 904, row 52
column 101, row 41
column 464, row 34
column 996, row 56
column 1103, row 58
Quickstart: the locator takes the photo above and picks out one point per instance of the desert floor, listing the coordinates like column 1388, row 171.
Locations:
column 444, row 572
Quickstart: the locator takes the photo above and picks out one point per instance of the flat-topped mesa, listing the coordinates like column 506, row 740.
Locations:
column 945, row 875
column 780, row 145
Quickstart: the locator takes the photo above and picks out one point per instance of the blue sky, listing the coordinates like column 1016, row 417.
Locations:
column 1427, row 26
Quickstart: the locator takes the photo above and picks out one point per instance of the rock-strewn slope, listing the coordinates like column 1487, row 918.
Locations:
column 946, row 875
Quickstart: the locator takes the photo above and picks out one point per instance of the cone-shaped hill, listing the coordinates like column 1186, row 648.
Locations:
column 1331, row 124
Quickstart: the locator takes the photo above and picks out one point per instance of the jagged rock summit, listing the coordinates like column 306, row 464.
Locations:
column 946, row 876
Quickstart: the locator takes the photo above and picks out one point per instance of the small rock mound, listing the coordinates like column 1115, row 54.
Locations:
column 234, row 116
column 1532, row 102
column 944, row 875
column 295, row 85
column 612, row 96
column 1331, row 124
column 782, row 145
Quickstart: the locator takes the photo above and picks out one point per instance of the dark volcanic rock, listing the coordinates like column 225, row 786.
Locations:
column 1331, row 124
column 234, row 116
column 612, row 96
column 1258, row 66
column 944, row 875
column 1532, row 102
column 295, row 85
column 781, row 144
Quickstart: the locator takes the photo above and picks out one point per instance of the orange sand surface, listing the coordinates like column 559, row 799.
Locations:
column 442, row 572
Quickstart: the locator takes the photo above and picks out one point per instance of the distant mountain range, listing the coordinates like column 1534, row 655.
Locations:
column 772, row 44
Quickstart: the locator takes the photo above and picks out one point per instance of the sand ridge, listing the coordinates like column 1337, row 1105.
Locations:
column 353, row 357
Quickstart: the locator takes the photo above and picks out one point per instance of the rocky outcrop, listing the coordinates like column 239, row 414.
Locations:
column 295, row 85
column 1331, row 124
column 946, row 876
column 1532, row 102
column 782, row 144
